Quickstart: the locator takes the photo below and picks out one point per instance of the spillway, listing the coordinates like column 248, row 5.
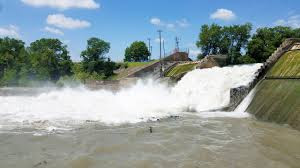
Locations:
column 198, row 91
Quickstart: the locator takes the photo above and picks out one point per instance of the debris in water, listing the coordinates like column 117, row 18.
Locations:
column 150, row 129
column 41, row 163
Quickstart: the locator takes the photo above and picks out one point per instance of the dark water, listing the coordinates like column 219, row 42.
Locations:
column 187, row 142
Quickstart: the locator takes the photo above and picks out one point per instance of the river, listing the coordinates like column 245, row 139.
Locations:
column 80, row 128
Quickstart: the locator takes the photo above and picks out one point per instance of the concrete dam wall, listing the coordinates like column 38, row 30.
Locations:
column 277, row 95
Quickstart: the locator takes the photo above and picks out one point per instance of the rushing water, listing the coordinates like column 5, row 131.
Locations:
column 76, row 127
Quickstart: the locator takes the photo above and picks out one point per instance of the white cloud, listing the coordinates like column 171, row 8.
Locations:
column 10, row 31
column 156, row 21
column 191, row 45
column 223, row 14
column 66, row 41
column 61, row 21
column 194, row 52
column 172, row 26
column 182, row 23
column 63, row 4
column 53, row 30
column 280, row 22
column 292, row 21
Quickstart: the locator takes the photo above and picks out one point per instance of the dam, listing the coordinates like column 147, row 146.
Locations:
column 278, row 94
column 79, row 128
column 75, row 127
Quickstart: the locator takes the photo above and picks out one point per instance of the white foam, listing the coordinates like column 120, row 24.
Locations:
column 199, row 90
column 208, row 89
column 239, row 112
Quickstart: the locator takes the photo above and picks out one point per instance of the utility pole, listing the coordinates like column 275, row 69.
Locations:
column 176, row 44
column 164, row 48
column 149, row 48
column 163, row 63
column 160, row 60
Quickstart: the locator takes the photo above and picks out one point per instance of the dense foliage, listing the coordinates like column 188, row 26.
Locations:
column 237, row 43
column 94, row 60
column 137, row 52
column 14, row 61
column 226, row 40
column 48, row 60
column 265, row 41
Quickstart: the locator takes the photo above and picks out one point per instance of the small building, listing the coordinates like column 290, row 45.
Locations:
column 178, row 56
column 212, row 61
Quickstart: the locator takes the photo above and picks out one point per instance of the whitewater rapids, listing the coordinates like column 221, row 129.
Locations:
column 198, row 91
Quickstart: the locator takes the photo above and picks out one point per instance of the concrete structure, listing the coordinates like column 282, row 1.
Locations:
column 157, row 69
column 177, row 56
column 296, row 46
column 277, row 87
column 212, row 61
column 238, row 94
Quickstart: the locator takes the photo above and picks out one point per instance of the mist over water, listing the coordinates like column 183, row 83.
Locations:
column 198, row 91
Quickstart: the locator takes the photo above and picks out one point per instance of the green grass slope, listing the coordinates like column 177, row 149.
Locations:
column 179, row 69
column 278, row 100
column 287, row 66
column 138, row 64
column 130, row 67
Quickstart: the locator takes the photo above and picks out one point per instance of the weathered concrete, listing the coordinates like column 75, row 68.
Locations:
column 277, row 101
column 212, row 61
column 154, row 69
column 112, row 85
column 238, row 94
column 296, row 47
column 177, row 56
column 277, row 95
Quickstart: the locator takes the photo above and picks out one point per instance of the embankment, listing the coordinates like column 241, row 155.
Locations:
column 277, row 95
column 238, row 94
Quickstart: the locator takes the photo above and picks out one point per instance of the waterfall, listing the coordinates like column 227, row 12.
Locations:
column 200, row 90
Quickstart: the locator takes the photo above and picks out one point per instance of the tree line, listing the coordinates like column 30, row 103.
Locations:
column 239, row 44
column 49, row 60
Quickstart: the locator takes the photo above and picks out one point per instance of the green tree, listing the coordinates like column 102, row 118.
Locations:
column 94, row 60
column 137, row 52
column 50, row 59
column 235, row 38
column 210, row 38
column 200, row 56
column 265, row 41
column 226, row 40
column 14, row 61
column 10, row 77
column 10, row 50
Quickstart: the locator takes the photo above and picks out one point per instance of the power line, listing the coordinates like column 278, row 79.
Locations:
column 160, row 60
column 164, row 48
column 149, row 48
column 176, row 44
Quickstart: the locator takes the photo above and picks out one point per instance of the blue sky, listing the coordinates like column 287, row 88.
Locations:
column 121, row 22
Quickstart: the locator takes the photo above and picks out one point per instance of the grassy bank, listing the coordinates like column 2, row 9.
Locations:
column 127, row 68
column 287, row 66
column 138, row 64
column 277, row 100
column 180, row 69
